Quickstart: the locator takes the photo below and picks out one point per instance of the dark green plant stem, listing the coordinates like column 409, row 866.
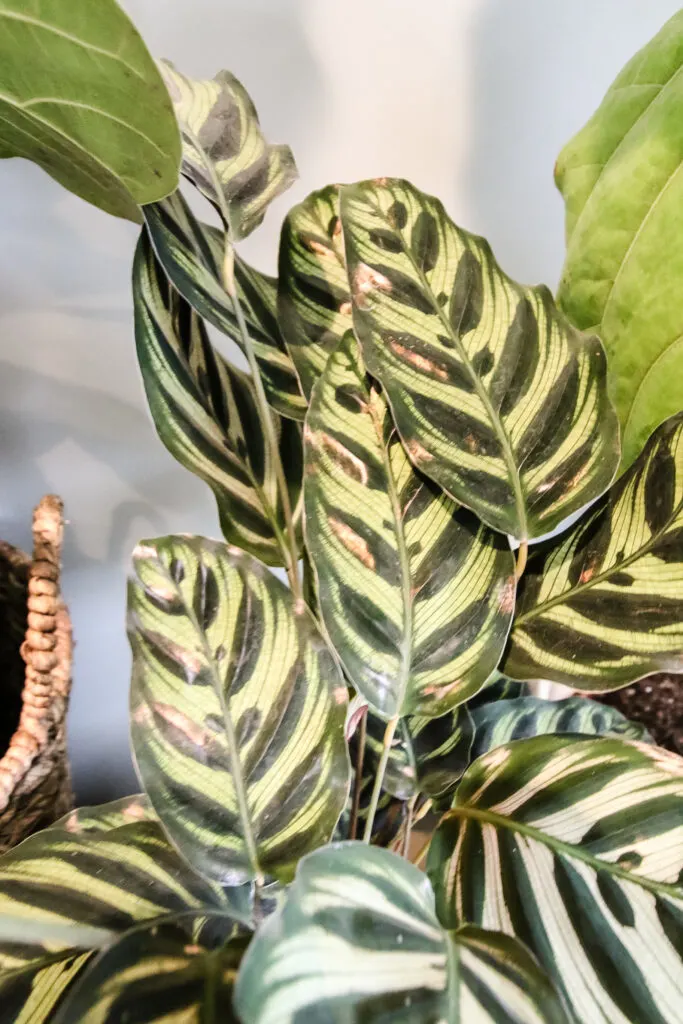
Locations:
column 408, row 828
column 389, row 734
column 358, row 780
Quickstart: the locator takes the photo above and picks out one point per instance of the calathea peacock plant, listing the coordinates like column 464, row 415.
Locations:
column 410, row 416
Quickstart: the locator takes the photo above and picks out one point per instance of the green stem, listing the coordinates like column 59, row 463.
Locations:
column 358, row 781
column 408, row 830
column 522, row 556
column 389, row 734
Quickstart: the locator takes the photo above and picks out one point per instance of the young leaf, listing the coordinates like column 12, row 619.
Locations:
column 81, row 96
column 192, row 255
column 574, row 847
column 219, row 123
column 181, row 967
column 621, row 180
column 314, row 302
column 206, row 414
column 495, row 395
column 500, row 722
column 416, row 594
column 602, row 605
column 358, row 940
column 237, row 710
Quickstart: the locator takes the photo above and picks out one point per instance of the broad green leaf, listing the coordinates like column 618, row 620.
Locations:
column 206, row 414
column 237, row 710
column 220, row 126
column 498, row 687
column 358, row 940
column 416, row 594
column 497, row 723
column 495, row 395
column 621, row 180
column 575, row 847
column 81, row 96
column 192, row 254
column 179, row 968
column 33, row 994
column 314, row 302
column 602, row 605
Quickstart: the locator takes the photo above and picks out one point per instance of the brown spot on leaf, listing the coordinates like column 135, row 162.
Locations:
column 366, row 280
column 353, row 542
column 345, row 309
column 420, row 362
column 313, row 245
column 417, row 452
column 195, row 733
column 347, row 461
column 506, row 596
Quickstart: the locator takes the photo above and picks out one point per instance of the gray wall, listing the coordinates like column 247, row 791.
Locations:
column 471, row 99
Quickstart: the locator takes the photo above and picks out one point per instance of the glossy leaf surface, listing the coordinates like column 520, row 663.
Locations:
column 219, row 125
column 621, row 180
column 416, row 594
column 192, row 255
column 237, row 710
column 314, row 301
column 206, row 414
column 81, row 96
column 574, row 846
column 495, row 395
column 371, row 915
column 602, row 605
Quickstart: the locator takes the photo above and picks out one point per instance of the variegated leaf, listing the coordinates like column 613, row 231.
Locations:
column 415, row 593
column 602, row 605
column 220, row 127
column 575, row 847
column 33, row 993
column 206, row 414
column 495, row 395
column 237, row 710
column 178, row 968
column 192, row 254
column 314, row 302
column 499, row 722
column 358, row 940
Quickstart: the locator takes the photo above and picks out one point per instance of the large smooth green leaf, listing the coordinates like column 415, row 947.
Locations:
column 179, row 968
column 622, row 183
column 575, row 847
column 314, row 302
column 237, row 710
column 220, row 126
column 192, row 255
column 81, row 96
column 206, row 414
column 495, row 395
column 358, row 940
column 416, row 594
column 602, row 605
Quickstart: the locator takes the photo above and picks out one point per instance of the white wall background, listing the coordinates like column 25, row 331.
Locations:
column 471, row 99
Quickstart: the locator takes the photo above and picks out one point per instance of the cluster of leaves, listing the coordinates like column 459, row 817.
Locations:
column 409, row 411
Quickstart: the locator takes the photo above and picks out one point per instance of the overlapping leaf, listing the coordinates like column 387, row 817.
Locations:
column 220, row 127
column 575, row 846
column 314, row 302
column 602, row 605
column 237, row 710
column 496, row 396
column 358, row 940
column 206, row 414
column 192, row 255
column 415, row 593
column 621, row 180
column 81, row 96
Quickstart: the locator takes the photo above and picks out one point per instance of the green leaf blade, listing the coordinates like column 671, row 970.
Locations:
column 81, row 96
column 237, row 711
column 415, row 594
column 496, row 396
column 602, row 606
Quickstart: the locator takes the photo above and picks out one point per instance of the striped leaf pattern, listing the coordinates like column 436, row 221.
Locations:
column 500, row 722
column 180, row 968
column 192, row 254
column 371, row 915
column 314, row 301
column 237, row 710
column 206, row 414
column 33, row 994
column 602, row 605
column 416, row 595
column 575, row 846
column 224, row 152
column 495, row 395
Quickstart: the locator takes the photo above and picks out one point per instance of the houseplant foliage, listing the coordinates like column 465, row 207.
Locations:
column 408, row 411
